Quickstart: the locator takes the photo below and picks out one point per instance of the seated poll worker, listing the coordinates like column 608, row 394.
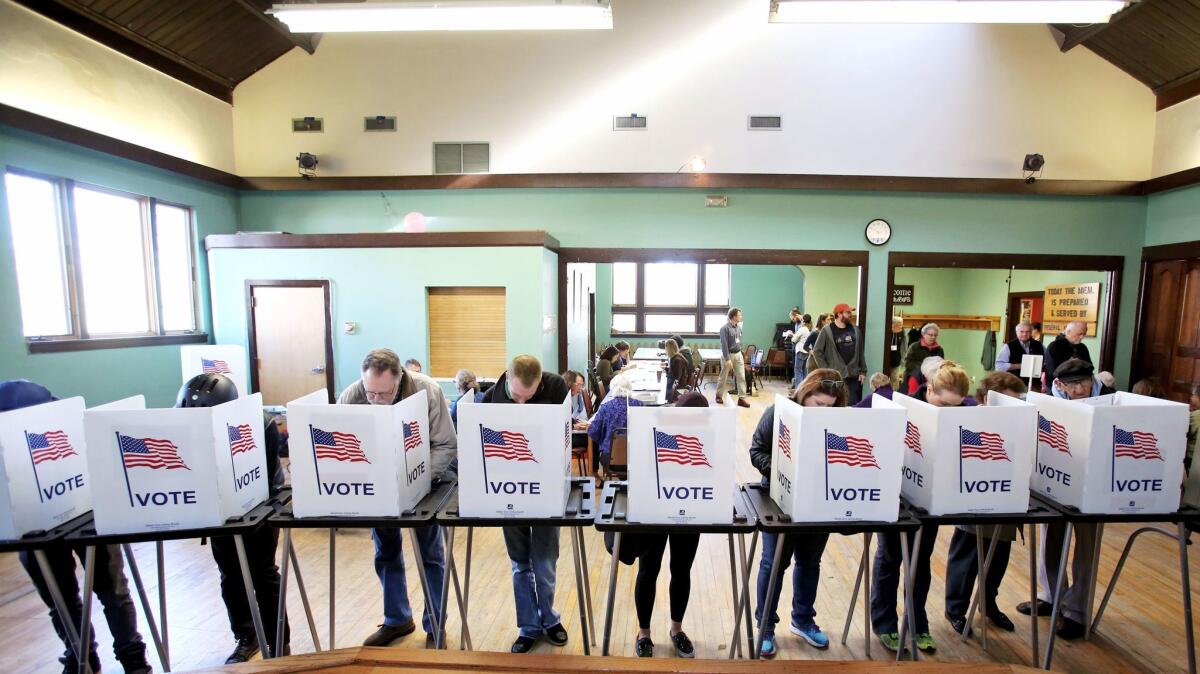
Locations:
column 466, row 384
column 962, row 563
column 624, row 358
column 612, row 416
column 581, row 407
column 606, row 365
column 822, row 387
column 1073, row 380
column 384, row 382
column 679, row 373
column 533, row 551
column 210, row 390
column 947, row 387
column 109, row 585
column 686, row 352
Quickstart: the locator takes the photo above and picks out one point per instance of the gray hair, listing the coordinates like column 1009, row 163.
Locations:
column 930, row 365
column 465, row 379
column 930, row 326
column 1078, row 325
column 382, row 360
column 897, row 319
column 621, row 386
column 1024, row 324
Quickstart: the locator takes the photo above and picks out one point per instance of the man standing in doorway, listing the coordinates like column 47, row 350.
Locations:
column 731, row 358
column 840, row 347
column 1009, row 358
column 1066, row 346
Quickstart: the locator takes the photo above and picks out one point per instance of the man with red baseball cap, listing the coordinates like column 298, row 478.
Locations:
column 840, row 347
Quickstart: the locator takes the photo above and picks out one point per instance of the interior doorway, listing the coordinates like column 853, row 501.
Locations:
column 291, row 339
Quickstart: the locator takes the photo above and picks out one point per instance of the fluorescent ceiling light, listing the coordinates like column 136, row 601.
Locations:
column 945, row 11
column 343, row 17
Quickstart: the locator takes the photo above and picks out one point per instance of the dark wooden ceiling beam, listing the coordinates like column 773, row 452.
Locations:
column 303, row 41
column 1177, row 91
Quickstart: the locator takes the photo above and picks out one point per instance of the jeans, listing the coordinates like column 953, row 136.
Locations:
column 264, row 575
column 853, row 390
column 806, row 549
column 886, row 576
column 962, row 568
column 798, row 369
column 108, row 584
column 738, row 365
column 533, row 552
column 389, row 566
column 1075, row 584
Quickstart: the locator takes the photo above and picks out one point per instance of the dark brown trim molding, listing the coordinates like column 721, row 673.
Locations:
column 382, row 240
column 93, row 344
column 1171, row 251
column 1113, row 264
column 251, row 284
column 1185, row 250
column 1172, row 181
column 1177, row 91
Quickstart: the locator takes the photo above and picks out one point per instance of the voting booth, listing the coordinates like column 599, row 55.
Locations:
column 681, row 465
column 968, row 459
column 513, row 460
column 837, row 463
column 170, row 468
column 1119, row 453
column 358, row 460
column 227, row 359
column 44, row 474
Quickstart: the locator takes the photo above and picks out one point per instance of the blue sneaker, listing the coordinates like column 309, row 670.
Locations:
column 768, row 646
column 812, row 634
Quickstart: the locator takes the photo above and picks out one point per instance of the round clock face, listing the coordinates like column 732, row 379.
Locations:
column 878, row 232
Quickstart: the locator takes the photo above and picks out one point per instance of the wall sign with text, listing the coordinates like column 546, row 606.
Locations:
column 902, row 295
column 1072, row 302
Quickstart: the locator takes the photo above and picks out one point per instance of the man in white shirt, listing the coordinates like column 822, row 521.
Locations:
column 801, row 327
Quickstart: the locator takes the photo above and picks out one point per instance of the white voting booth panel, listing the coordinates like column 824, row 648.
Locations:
column 513, row 460
column 227, row 359
column 968, row 459
column 681, row 465
column 174, row 468
column 837, row 463
column 358, row 460
column 44, row 475
column 1119, row 453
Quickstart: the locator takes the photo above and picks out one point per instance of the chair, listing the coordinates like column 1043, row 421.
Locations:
column 618, row 457
column 776, row 358
column 754, row 360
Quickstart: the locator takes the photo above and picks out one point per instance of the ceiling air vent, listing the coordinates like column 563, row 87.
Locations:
column 632, row 122
column 765, row 123
column 379, row 123
column 308, row 124
column 456, row 158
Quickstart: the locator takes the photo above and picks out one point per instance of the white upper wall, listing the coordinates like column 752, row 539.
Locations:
column 58, row 73
column 1177, row 138
column 928, row 100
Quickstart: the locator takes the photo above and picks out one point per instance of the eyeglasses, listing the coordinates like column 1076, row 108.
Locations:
column 376, row 395
column 834, row 384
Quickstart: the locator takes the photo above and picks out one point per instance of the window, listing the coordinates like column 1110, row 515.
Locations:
column 664, row 298
column 94, row 263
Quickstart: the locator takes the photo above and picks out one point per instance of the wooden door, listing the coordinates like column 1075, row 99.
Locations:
column 291, row 348
column 1185, row 358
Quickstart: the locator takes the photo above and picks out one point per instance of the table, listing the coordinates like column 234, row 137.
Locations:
column 580, row 512
column 649, row 353
column 649, row 382
column 1181, row 518
column 238, row 527
column 419, row 516
column 1037, row 513
column 711, row 354
column 614, row 501
column 772, row 519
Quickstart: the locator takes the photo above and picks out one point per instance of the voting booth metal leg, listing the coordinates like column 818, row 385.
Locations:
column 59, row 605
column 612, row 592
column 772, row 589
column 747, row 563
column 858, row 579
column 1033, row 596
column 1112, row 584
column 332, row 586
column 909, row 623
column 434, row 618
column 984, row 566
column 735, row 647
column 439, row 641
column 281, row 611
column 577, row 565
column 465, row 634
column 255, row 615
column 312, row 624
column 160, row 560
column 587, row 583
column 1185, row 576
column 1057, row 597
column 1091, row 597
column 145, row 601
column 85, row 625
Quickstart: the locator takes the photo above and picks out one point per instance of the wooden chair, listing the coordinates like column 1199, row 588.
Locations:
column 776, row 358
column 618, row 458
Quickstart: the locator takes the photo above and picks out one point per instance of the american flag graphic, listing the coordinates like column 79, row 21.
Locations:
column 214, row 366
column 506, row 445
column 849, row 450
column 912, row 438
column 1053, row 434
column 337, row 446
column 982, row 445
column 49, row 446
column 150, row 453
column 682, row 449
column 785, row 440
column 241, row 438
column 412, row 435
column 1135, row 445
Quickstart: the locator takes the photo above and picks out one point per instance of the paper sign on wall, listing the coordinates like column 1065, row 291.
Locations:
column 227, row 359
column 1120, row 453
column 358, row 460
column 513, row 460
column 681, row 465
column 44, row 477
column 837, row 464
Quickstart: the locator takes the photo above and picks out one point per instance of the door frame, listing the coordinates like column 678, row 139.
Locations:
column 251, row 284
column 1185, row 250
column 1008, row 319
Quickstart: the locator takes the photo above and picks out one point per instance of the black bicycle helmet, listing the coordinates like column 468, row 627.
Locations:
column 206, row 390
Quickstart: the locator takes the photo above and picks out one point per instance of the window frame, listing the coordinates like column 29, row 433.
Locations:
column 698, row 310
column 79, row 339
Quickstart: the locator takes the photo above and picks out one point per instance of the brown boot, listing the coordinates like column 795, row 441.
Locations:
column 742, row 402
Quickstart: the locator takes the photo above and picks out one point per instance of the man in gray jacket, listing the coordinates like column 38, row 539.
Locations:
column 384, row 382
column 731, row 358
column 840, row 347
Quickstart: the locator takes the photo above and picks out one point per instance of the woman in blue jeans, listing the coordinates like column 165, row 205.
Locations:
column 821, row 388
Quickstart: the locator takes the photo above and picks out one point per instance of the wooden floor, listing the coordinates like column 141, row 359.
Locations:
column 1142, row 629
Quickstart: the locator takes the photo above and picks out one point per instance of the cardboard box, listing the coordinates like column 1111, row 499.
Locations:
column 681, row 465
column 44, row 478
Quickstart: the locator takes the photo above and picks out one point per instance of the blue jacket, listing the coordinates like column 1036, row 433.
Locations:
column 611, row 417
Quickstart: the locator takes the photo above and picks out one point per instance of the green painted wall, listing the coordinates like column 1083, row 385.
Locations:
column 1173, row 217
column 827, row 287
column 101, row 376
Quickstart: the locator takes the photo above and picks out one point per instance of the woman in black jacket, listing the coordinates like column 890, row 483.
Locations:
column 678, row 371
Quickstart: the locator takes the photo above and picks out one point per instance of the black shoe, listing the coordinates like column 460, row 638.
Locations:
column 133, row 663
column 523, row 645
column 683, row 645
column 557, row 635
column 958, row 623
column 386, row 634
column 644, row 647
column 1043, row 608
column 71, row 665
column 1000, row 620
column 243, row 651
column 1069, row 630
